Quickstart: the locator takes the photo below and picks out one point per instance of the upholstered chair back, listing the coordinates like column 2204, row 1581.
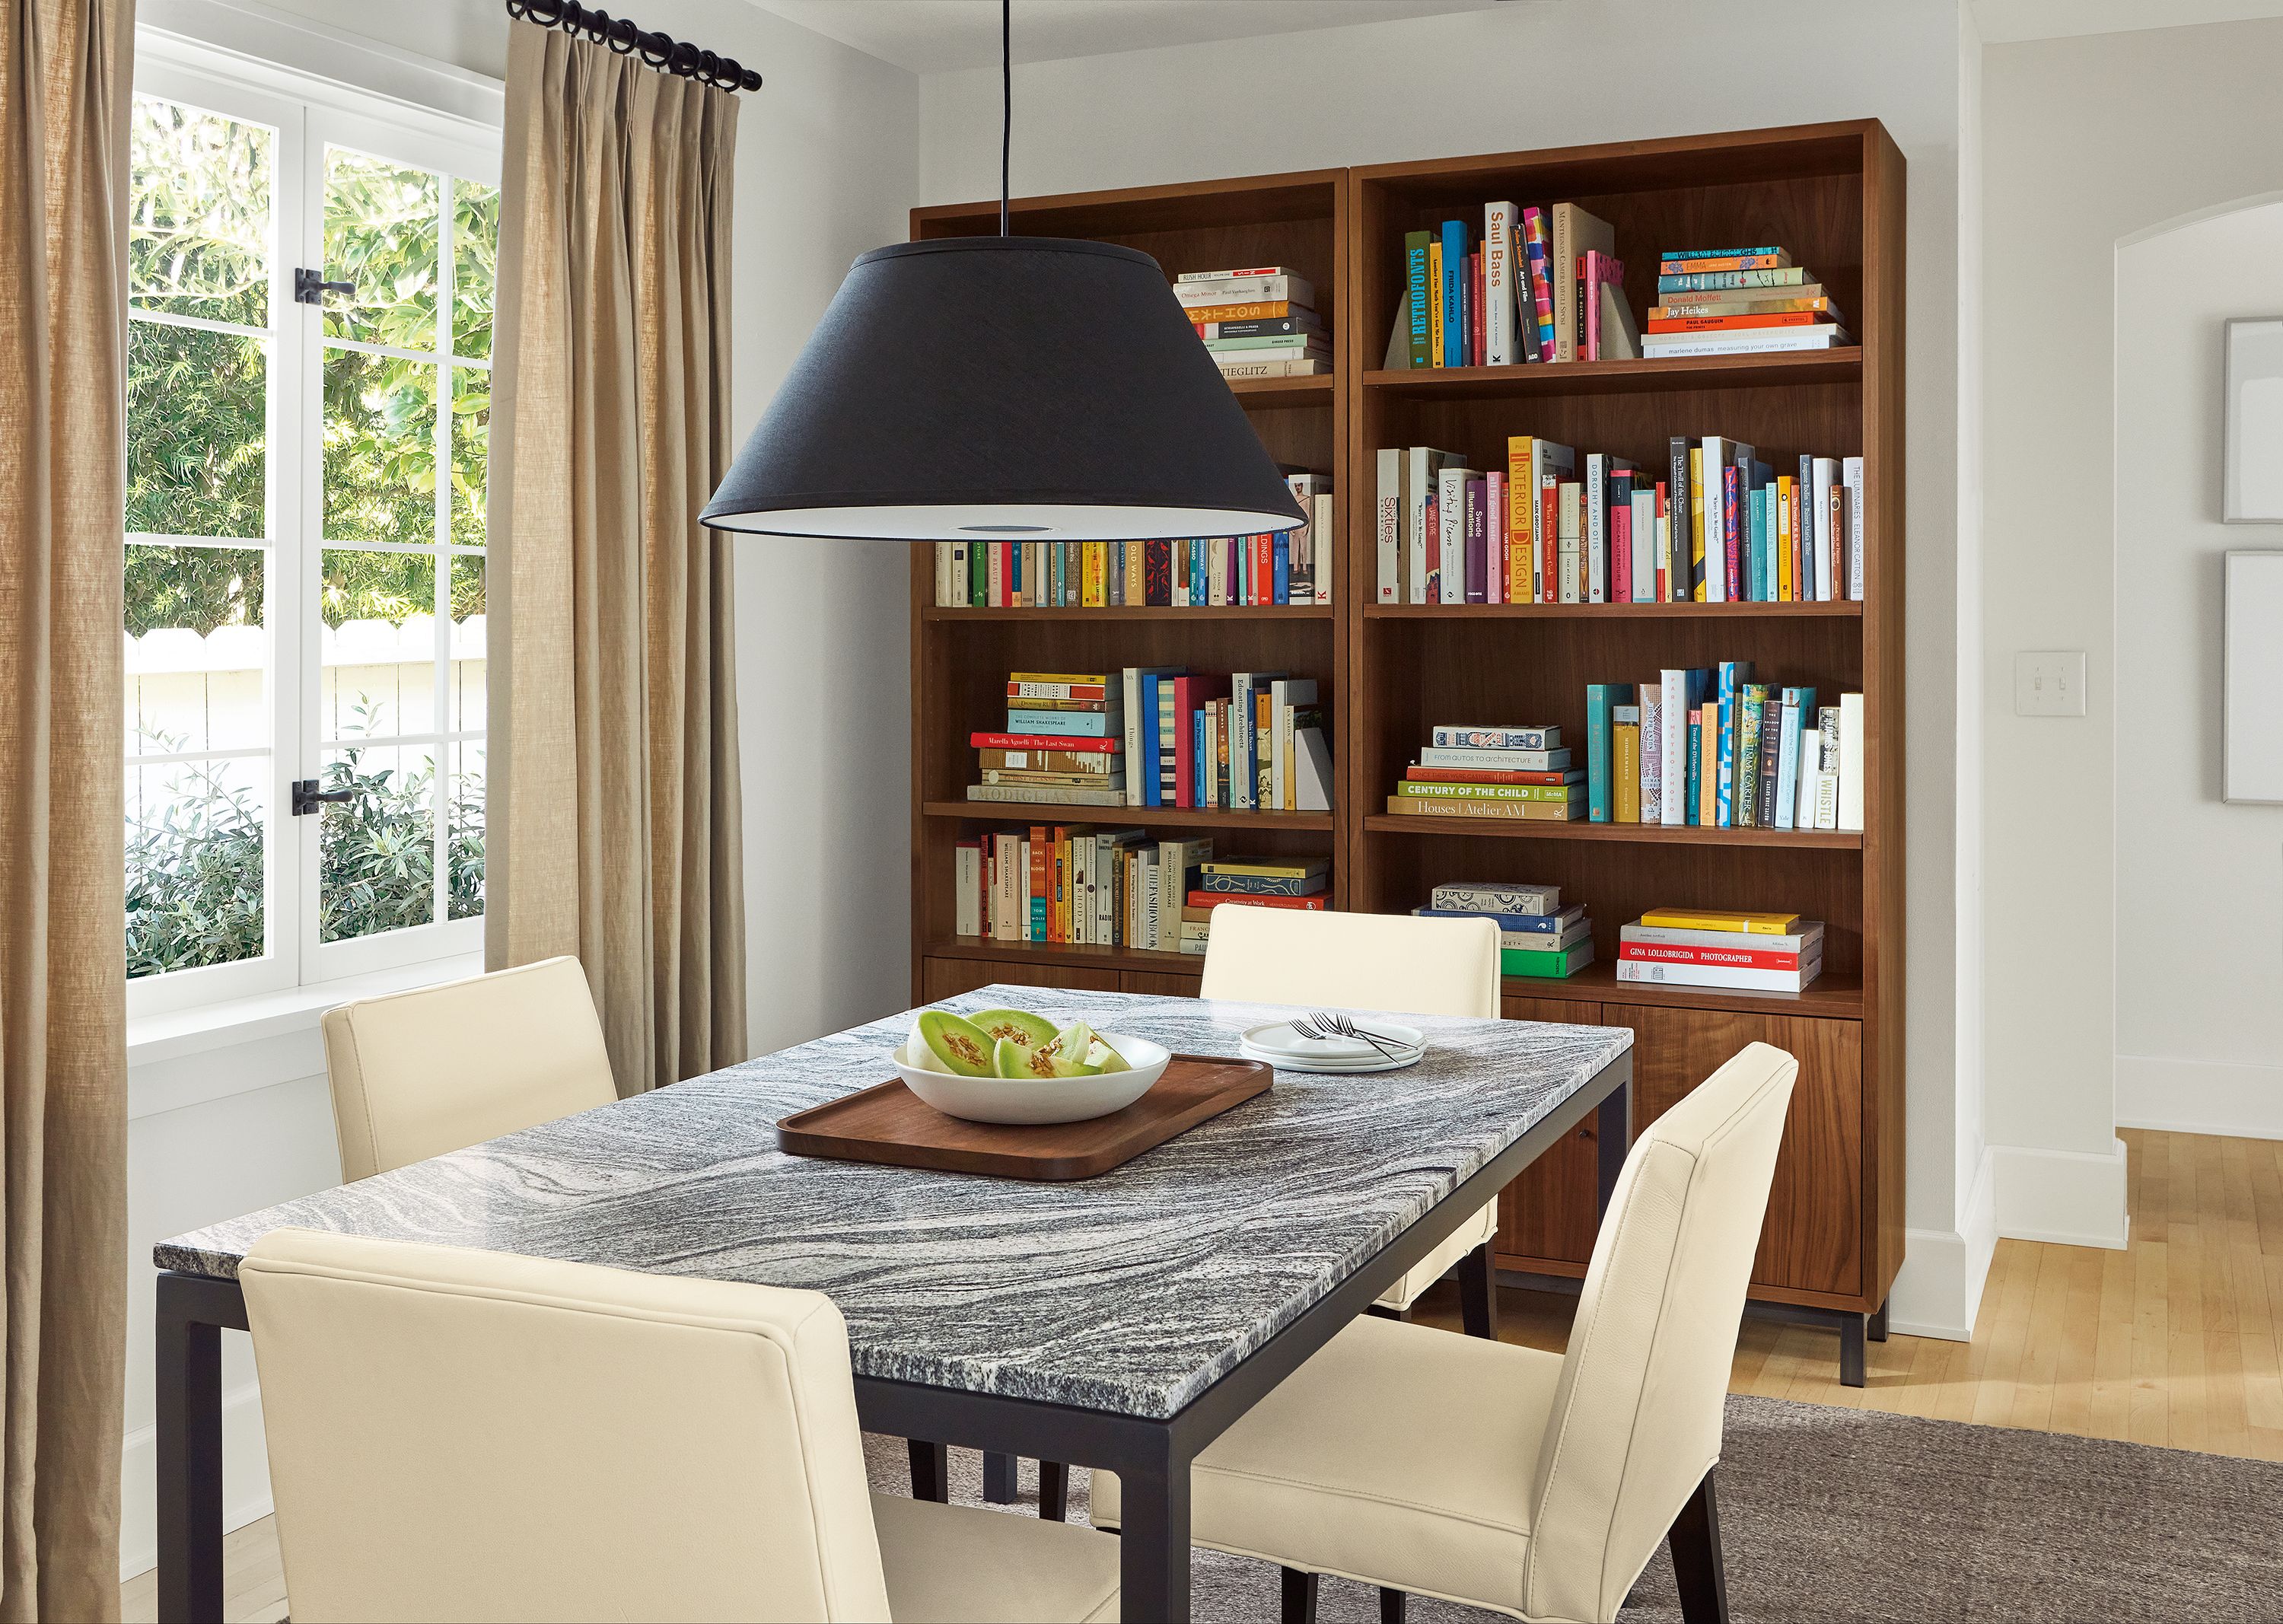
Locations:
column 416, row 1074
column 1353, row 961
column 1636, row 1417
column 470, row 1435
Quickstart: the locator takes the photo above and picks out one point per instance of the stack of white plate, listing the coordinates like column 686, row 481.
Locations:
column 1281, row 1046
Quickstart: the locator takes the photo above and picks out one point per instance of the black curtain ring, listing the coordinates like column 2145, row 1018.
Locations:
column 656, row 50
column 623, row 37
column 682, row 62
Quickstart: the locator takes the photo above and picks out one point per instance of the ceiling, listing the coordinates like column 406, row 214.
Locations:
column 931, row 36
column 2007, row 21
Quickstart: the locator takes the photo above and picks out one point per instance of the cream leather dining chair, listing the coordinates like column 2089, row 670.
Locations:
column 1358, row 961
column 416, row 1074
column 1534, row 1485
column 456, row 1435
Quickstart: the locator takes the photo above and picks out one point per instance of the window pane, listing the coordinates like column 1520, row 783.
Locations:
column 472, row 416
column 377, row 854
column 197, row 653
column 475, row 267
column 197, row 408
column 467, row 830
column 198, row 235
column 377, row 644
column 380, row 448
column 468, row 623
column 381, row 221
column 194, row 867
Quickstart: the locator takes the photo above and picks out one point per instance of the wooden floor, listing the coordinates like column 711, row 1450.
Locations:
column 2172, row 1341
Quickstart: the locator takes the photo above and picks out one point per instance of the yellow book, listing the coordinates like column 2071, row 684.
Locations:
column 1697, row 523
column 1522, row 512
column 1720, row 919
column 1784, row 591
column 1624, row 768
column 1708, row 766
column 1435, row 302
column 1098, row 678
column 1097, row 574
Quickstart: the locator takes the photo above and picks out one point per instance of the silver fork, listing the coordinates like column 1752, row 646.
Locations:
column 1329, row 1024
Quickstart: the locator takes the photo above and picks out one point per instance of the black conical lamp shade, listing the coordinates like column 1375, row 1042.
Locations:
column 1017, row 387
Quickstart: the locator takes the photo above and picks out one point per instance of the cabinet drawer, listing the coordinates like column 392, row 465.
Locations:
column 946, row 978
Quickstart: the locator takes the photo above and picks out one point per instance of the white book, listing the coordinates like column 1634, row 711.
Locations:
column 1450, row 563
column 1145, row 898
column 1652, row 753
column 1596, row 537
column 1323, row 552
column 1498, row 284
column 1468, row 759
column 1735, row 980
column 1746, row 341
column 967, row 885
column 1421, row 465
column 1850, row 474
column 1718, row 454
column 1285, row 695
column 1827, row 474
column 1569, row 544
column 1676, row 693
column 1246, row 290
column 1644, row 547
column 1850, row 761
column 1810, row 750
column 1807, row 939
column 1312, row 758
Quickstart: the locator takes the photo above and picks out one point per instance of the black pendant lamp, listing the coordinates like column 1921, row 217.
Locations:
column 1004, row 387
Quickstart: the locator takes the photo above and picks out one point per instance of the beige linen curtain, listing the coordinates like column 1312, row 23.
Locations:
column 613, row 823
column 64, row 84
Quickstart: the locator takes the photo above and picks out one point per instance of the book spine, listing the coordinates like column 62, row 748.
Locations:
column 1595, row 537
column 1494, row 540
column 1652, row 754
column 1489, row 791
column 1732, row 534
column 1498, row 286
column 1621, row 549
column 1719, row 975
column 1714, row 281
column 1454, row 246
column 1851, row 476
column 1768, row 764
column 1562, row 265
column 1541, row 284
column 1695, row 782
column 1548, row 562
column 1625, row 764
column 1414, row 278
column 1733, row 959
column 1724, row 751
column 1449, row 567
column 1601, row 700
column 1477, row 519
column 1850, row 762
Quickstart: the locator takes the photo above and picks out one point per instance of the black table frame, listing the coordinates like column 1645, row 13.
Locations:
column 1152, row 1457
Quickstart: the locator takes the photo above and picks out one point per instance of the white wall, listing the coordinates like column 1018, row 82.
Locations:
column 2088, row 142
column 2199, row 1033
column 826, row 168
column 1503, row 79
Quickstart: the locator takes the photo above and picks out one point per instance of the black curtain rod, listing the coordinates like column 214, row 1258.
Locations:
column 658, row 50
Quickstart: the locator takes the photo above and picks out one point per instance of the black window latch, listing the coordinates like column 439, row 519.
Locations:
column 310, row 286
column 309, row 798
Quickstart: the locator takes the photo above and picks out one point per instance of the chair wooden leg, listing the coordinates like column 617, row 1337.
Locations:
column 931, row 1471
column 1391, row 1606
column 1478, row 1292
column 998, row 1478
column 1300, row 1596
column 1695, row 1541
column 1054, row 1491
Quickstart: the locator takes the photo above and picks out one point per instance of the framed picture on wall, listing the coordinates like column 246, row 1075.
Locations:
column 2252, row 471
column 2252, row 654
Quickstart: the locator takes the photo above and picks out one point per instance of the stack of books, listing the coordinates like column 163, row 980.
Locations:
column 1074, row 882
column 1554, row 527
column 1713, row 748
column 1493, row 772
column 1252, row 882
column 1538, row 937
column 1529, row 284
column 1065, row 742
column 1258, row 321
column 1732, row 302
column 1743, row 952
column 1288, row 567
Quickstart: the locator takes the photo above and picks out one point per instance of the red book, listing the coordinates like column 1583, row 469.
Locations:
column 1485, row 774
column 1621, row 552
column 1732, row 958
column 1549, row 542
column 1733, row 324
column 1045, row 741
column 1475, row 309
column 1317, row 903
column 1190, row 692
column 1664, row 554
column 1035, row 927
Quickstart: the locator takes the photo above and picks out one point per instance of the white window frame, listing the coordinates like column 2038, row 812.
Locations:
column 306, row 113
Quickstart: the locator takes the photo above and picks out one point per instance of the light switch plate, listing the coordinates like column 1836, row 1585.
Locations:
column 2050, row 684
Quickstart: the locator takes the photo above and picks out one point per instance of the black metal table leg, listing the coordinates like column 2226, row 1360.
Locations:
column 190, row 1466
column 931, row 1471
column 1613, row 1137
column 1478, row 1292
column 1697, row 1569
column 998, row 1478
column 1054, row 1491
column 1154, row 1543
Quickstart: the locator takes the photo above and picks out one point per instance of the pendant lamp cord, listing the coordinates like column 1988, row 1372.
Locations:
column 1006, row 101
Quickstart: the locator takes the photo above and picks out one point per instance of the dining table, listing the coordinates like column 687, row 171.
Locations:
column 1123, row 1321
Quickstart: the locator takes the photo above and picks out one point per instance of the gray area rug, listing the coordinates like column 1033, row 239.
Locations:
column 1841, row 1514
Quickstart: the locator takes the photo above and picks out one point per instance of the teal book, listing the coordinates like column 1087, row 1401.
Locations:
column 1601, row 699
column 1798, row 706
column 1695, row 808
column 1454, row 304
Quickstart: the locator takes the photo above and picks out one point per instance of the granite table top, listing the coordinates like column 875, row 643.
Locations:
column 1132, row 1291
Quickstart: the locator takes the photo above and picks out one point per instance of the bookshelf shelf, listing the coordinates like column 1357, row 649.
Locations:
column 1608, row 612
column 1321, row 612
column 1834, row 195
column 1657, row 375
column 1167, row 818
column 1635, row 834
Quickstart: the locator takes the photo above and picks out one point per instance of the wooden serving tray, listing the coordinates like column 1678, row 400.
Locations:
column 889, row 1123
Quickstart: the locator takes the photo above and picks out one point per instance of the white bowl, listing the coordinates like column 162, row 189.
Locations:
column 1039, row 1099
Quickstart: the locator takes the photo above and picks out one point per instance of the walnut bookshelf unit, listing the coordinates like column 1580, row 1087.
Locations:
column 1832, row 194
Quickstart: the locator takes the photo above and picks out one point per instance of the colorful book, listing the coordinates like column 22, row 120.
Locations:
column 1495, row 897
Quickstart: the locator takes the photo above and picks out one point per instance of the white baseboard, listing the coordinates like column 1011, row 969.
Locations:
column 2068, row 1197
column 1939, row 1291
column 2239, row 1100
column 245, row 1481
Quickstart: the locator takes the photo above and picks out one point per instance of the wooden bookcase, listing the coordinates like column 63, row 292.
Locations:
column 1831, row 194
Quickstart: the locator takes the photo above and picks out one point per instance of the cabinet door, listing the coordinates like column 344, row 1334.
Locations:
column 1163, row 984
column 1547, row 1216
column 946, row 978
column 1813, row 1238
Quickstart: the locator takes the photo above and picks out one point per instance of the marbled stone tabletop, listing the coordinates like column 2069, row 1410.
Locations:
column 1132, row 1291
